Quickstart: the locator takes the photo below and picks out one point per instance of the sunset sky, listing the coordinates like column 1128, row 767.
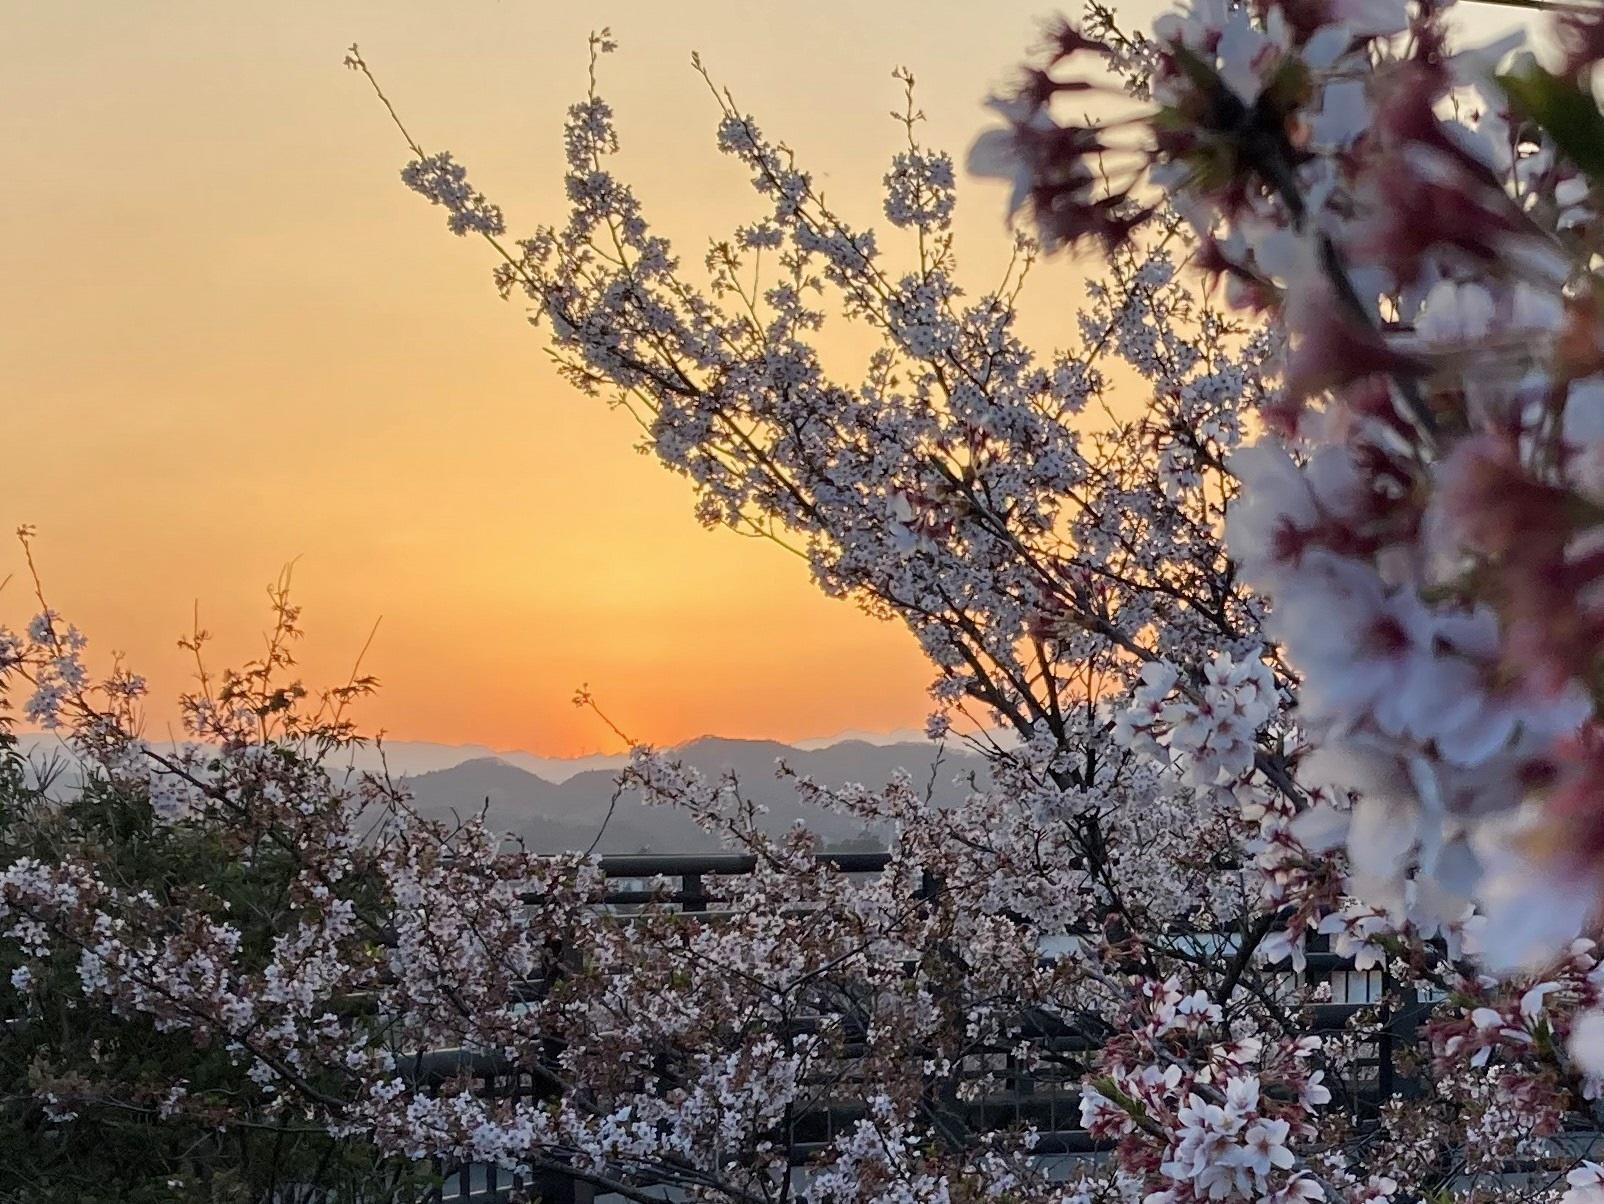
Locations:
column 230, row 338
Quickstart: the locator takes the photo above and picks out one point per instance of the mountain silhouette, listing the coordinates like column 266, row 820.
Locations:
column 568, row 815
column 566, row 812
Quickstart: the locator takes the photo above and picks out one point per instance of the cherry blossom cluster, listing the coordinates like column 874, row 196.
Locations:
column 1193, row 729
column 1206, row 1128
column 1215, row 730
column 1416, row 220
column 306, row 940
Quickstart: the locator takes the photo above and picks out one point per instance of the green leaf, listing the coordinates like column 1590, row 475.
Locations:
column 1564, row 109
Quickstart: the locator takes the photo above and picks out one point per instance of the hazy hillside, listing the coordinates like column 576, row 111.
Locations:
column 554, row 816
column 408, row 758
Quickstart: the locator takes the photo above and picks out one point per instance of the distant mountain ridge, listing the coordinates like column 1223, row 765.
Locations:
column 402, row 758
column 559, row 804
column 569, row 815
column 406, row 758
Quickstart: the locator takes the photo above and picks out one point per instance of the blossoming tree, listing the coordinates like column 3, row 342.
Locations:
column 1422, row 514
column 1194, row 666
column 1413, row 536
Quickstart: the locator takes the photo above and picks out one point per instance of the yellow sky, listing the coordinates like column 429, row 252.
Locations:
column 229, row 337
